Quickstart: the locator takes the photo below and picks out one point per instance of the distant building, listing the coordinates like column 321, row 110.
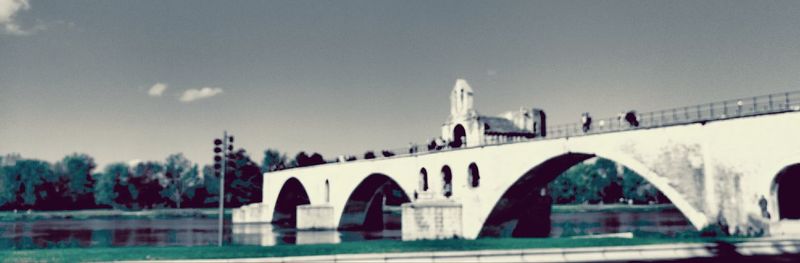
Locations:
column 466, row 127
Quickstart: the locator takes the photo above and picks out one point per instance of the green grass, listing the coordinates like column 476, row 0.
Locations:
column 611, row 208
column 112, row 214
column 379, row 246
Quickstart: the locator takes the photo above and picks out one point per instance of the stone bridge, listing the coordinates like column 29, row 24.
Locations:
column 725, row 171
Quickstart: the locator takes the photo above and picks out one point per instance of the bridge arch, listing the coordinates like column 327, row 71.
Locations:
column 769, row 188
column 363, row 209
column 523, row 200
column 786, row 191
column 291, row 195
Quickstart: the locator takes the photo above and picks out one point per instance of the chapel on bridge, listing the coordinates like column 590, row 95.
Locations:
column 465, row 127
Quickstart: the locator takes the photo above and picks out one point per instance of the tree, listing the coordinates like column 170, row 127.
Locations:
column 301, row 159
column 600, row 181
column 144, row 185
column 243, row 184
column 36, row 181
column 304, row 160
column 180, row 176
column 609, row 181
column 316, row 159
column 107, row 184
column 273, row 160
column 210, row 186
column 637, row 189
column 75, row 180
column 9, row 181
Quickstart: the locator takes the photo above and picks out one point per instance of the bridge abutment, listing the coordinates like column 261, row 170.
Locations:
column 432, row 219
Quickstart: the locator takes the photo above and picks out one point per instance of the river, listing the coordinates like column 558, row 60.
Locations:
column 203, row 231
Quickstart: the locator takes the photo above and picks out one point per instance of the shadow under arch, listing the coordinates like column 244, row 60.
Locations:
column 786, row 191
column 364, row 208
column 292, row 194
column 522, row 201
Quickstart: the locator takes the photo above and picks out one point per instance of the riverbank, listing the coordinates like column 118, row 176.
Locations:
column 6, row 216
column 366, row 247
column 611, row 208
column 24, row 215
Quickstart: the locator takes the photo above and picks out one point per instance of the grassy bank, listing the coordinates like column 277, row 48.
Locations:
column 112, row 214
column 382, row 246
column 611, row 208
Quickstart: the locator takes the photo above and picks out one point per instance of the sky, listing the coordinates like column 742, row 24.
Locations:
column 140, row 80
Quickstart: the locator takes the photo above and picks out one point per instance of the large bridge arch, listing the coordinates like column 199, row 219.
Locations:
column 785, row 192
column 519, row 200
column 363, row 208
column 681, row 201
column 291, row 195
column 770, row 184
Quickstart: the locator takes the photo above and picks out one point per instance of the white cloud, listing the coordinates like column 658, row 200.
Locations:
column 9, row 9
column 157, row 89
column 195, row 94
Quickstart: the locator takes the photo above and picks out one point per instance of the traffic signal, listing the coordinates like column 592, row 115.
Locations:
column 230, row 164
column 217, row 157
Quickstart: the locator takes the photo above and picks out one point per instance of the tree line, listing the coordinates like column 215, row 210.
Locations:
column 74, row 183
column 603, row 182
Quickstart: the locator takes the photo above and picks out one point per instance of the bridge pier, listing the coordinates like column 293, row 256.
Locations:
column 315, row 217
column 252, row 213
column 431, row 219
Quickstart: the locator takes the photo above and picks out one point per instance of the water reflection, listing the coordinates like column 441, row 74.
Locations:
column 265, row 234
column 109, row 232
column 668, row 222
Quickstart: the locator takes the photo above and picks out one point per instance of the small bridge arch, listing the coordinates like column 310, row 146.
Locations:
column 291, row 195
column 363, row 209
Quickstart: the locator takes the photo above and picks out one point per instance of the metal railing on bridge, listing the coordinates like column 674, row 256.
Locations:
column 721, row 110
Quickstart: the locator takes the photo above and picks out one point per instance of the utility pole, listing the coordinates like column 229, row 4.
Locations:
column 220, row 170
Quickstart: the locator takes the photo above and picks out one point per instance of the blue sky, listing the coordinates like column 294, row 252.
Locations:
column 340, row 77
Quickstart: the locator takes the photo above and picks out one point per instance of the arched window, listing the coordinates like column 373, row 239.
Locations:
column 474, row 177
column 423, row 180
column 327, row 191
column 447, row 179
column 459, row 136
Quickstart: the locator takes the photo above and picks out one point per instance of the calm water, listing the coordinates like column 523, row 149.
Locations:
column 203, row 231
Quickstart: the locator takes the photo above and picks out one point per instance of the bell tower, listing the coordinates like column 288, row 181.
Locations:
column 461, row 101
